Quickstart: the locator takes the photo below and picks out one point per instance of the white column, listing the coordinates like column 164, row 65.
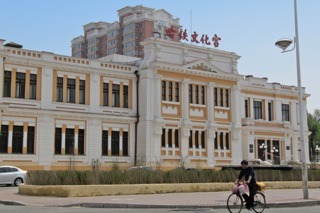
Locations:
column 210, row 103
column 76, row 141
column 266, row 110
column 158, row 96
column 25, row 137
column 251, row 108
column 185, row 99
column 10, row 139
column 120, row 143
column 277, row 110
column 235, row 108
column 109, row 143
column 63, row 142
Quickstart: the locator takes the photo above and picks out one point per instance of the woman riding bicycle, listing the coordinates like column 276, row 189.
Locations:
column 250, row 179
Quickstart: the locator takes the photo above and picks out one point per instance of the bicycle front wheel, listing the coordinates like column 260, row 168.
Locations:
column 234, row 203
column 259, row 202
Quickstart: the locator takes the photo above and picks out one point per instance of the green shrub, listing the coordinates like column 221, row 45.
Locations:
column 142, row 176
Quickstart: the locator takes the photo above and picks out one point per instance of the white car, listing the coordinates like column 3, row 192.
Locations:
column 12, row 175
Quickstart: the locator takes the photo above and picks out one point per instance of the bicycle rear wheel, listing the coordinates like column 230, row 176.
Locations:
column 259, row 202
column 234, row 203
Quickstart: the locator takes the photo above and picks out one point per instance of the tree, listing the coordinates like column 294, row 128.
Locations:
column 314, row 128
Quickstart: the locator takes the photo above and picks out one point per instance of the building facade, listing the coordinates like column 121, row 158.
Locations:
column 124, row 36
column 181, row 105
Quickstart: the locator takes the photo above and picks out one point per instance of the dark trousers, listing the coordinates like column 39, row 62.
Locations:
column 252, row 191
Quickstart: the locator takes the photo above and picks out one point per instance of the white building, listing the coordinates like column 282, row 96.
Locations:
column 181, row 105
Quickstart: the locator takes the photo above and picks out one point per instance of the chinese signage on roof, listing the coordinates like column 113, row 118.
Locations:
column 204, row 39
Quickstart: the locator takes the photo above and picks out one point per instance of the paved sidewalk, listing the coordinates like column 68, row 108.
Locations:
column 274, row 198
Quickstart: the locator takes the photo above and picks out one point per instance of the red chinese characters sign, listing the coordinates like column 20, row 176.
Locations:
column 204, row 39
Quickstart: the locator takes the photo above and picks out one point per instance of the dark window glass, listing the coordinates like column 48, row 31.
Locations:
column 105, row 94
column 163, row 138
column 170, row 91
column 227, row 98
column 203, row 139
column 17, row 139
column 190, row 139
column 170, row 138
column 285, row 112
column 177, row 98
column 116, row 95
column 221, row 140
column 197, row 94
column 69, row 141
column 227, row 141
column 163, row 90
column 105, row 142
column 216, row 141
column 125, row 96
column 20, row 85
column 4, row 139
column 215, row 97
column 7, row 84
column 246, row 108
column 125, row 144
column 197, row 139
column 190, row 94
column 269, row 111
column 176, row 138
column 81, row 142
column 257, row 107
column 115, row 143
column 58, row 141
column 59, row 89
column 33, row 86
column 82, row 92
column 30, row 140
column 71, row 90
column 203, row 95
column 221, row 98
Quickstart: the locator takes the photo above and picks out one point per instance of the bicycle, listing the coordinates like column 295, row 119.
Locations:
column 235, row 202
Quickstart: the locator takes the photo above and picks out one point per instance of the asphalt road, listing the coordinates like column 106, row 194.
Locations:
column 40, row 209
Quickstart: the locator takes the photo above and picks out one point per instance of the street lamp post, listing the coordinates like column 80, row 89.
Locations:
column 283, row 44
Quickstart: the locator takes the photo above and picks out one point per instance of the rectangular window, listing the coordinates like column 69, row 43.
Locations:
column 285, row 112
column 177, row 98
column 116, row 95
column 17, row 139
column 246, row 108
column 203, row 139
column 169, row 137
column 257, row 107
column 227, row 98
column 105, row 142
column 59, row 89
column 105, row 94
column 176, row 138
column 125, row 144
column 115, row 143
column 71, row 90
column 69, row 141
column 33, row 86
column 125, row 96
column 170, row 91
column 221, row 140
column 216, row 141
column 269, row 111
column 197, row 94
column 227, row 141
column 82, row 92
column 221, row 98
column 58, row 141
column 7, row 84
column 197, row 139
column 203, row 95
column 164, row 90
column 20, row 85
column 250, row 148
column 190, row 139
column 30, row 140
column 4, row 139
column 215, row 97
column 163, row 138
column 190, row 93
column 81, row 142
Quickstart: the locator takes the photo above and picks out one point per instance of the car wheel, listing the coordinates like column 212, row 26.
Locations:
column 18, row 181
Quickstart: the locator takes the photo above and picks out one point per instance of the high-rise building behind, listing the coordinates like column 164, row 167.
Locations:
column 124, row 36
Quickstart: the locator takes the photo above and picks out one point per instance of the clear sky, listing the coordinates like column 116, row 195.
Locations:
column 247, row 27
